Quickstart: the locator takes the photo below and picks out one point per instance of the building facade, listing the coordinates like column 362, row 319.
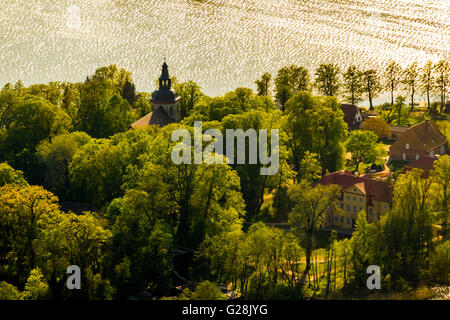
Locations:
column 357, row 194
column 423, row 139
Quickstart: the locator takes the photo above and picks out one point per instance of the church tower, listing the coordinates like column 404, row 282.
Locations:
column 165, row 104
column 165, row 97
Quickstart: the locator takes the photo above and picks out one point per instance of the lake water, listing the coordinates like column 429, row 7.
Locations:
column 220, row 44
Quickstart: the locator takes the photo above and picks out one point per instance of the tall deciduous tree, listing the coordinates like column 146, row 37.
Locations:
column 56, row 156
column 190, row 93
column 372, row 85
column 327, row 79
column 407, row 228
column 315, row 124
column 311, row 204
column 442, row 80
column 353, row 85
column 10, row 176
column 441, row 191
column 426, row 81
column 263, row 84
column 392, row 78
column 410, row 80
column 21, row 210
column 288, row 81
column 363, row 146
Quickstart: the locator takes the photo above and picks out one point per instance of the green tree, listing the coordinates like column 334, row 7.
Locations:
column 327, row 79
column 143, row 104
column 289, row 80
column 363, row 146
column 68, row 239
column 103, row 111
column 128, row 92
column 21, row 210
column 263, row 84
column 10, row 176
column 190, row 93
column 379, row 126
column 372, row 85
column 143, row 238
column 399, row 109
column 8, row 104
column 311, row 204
column 254, row 185
column 35, row 119
column 36, row 287
column 442, row 80
column 207, row 291
column 71, row 101
column 310, row 168
column 440, row 263
column 410, row 80
column 441, row 191
column 56, row 157
column 213, row 109
column 353, row 85
column 427, row 81
column 392, row 78
column 315, row 124
column 362, row 247
column 96, row 172
column 9, row 292
column 407, row 228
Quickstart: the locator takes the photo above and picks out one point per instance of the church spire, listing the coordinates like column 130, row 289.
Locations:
column 164, row 80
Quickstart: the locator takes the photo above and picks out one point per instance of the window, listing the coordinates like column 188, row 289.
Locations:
column 360, row 209
column 407, row 146
column 354, row 189
column 348, row 220
column 385, row 206
column 336, row 218
column 354, row 198
column 348, row 197
column 342, row 205
column 431, row 153
column 354, row 209
column 378, row 215
column 370, row 210
column 360, row 199
column 417, row 157
column 348, row 207
column 404, row 156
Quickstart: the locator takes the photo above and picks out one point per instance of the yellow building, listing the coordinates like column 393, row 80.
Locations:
column 357, row 194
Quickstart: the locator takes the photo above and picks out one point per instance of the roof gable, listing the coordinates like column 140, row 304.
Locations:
column 378, row 190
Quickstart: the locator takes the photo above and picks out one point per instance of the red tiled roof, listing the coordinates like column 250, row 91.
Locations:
column 378, row 190
column 428, row 133
column 159, row 117
column 424, row 163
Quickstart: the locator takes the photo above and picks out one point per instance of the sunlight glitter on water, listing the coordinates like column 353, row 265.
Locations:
column 221, row 44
